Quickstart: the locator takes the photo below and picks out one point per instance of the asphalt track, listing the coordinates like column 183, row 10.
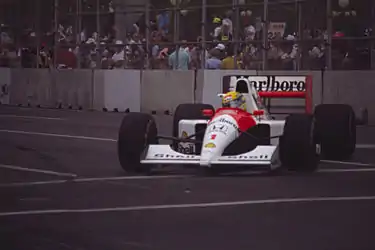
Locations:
column 62, row 188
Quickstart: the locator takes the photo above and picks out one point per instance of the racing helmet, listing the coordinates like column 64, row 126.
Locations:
column 234, row 99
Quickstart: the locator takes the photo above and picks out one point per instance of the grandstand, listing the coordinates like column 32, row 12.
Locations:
column 139, row 34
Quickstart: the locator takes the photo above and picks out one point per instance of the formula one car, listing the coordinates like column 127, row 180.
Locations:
column 241, row 133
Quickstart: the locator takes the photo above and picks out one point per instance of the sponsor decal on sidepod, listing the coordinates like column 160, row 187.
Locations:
column 210, row 145
column 184, row 134
column 185, row 147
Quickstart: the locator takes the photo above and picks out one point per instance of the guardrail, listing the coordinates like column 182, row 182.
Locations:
column 160, row 91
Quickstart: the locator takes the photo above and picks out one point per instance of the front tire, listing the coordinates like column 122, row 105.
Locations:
column 137, row 131
column 336, row 130
column 297, row 147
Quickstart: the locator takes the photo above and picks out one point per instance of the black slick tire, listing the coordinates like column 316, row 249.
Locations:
column 137, row 131
column 336, row 130
column 297, row 146
column 188, row 111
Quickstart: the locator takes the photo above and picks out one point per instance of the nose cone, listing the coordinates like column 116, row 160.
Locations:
column 220, row 132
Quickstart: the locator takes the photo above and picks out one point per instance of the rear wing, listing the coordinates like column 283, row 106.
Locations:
column 282, row 93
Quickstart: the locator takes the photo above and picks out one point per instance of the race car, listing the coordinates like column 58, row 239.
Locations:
column 242, row 132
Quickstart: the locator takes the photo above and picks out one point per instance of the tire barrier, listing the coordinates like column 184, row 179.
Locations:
column 159, row 92
column 116, row 110
column 165, row 112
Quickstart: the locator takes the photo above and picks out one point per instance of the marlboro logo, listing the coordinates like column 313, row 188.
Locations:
column 269, row 83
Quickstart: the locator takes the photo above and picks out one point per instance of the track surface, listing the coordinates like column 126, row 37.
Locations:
column 95, row 206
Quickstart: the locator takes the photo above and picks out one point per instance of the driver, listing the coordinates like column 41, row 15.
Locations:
column 234, row 99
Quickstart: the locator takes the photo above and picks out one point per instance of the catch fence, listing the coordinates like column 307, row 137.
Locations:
column 140, row 34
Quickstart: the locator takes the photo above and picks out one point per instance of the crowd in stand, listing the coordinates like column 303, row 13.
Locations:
column 286, row 51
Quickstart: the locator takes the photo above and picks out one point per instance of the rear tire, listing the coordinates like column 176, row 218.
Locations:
column 297, row 147
column 336, row 130
column 188, row 111
column 137, row 131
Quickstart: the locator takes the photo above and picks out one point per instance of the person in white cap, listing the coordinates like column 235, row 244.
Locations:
column 118, row 57
column 220, row 47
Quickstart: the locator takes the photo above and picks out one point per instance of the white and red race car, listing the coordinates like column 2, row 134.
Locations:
column 231, row 136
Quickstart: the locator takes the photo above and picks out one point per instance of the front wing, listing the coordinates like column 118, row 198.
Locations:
column 261, row 156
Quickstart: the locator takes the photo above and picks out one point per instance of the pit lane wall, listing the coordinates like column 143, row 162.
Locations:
column 160, row 91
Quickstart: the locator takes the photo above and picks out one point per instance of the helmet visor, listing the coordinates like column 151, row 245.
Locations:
column 232, row 104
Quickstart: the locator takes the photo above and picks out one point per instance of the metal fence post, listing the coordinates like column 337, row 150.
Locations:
column 176, row 34
column 147, row 21
column 38, row 31
column 372, row 52
column 236, row 32
column 299, row 31
column 78, row 22
column 329, row 31
column 265, row 35
column 98, row 61
column 56, row 34
column 203, row 34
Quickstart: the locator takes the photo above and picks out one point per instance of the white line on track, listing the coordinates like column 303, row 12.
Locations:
column 40, row 171
column 34, row 199
column 348, row 170
column 120, row 178
column 32, row 117
column 182, row 206
column 58, row 135
column 359, row 164
column 365, row 146
column 99, row 179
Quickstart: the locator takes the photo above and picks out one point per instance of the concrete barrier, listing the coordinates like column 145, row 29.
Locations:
column 355, row 88
column 164, row 90
column 5, row 81
column 73, row 88
column 39, row 87
column 122, row 90
column 30, row 87
column 19, row 87
column 98, row 90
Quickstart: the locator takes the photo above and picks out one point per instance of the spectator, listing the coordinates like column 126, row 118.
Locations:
column 118, row 57
column 217, row 28
column 106, row 60
column 163, row 22
column 228, row 22
column 228, row 61
column 214, row 61
column 196, row 54
column 65, row 58
column 183, row 59
column 136, row 57
column 220, row 48
column 155, row 49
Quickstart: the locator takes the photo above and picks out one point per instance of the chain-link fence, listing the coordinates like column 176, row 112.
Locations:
column 211, row 34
